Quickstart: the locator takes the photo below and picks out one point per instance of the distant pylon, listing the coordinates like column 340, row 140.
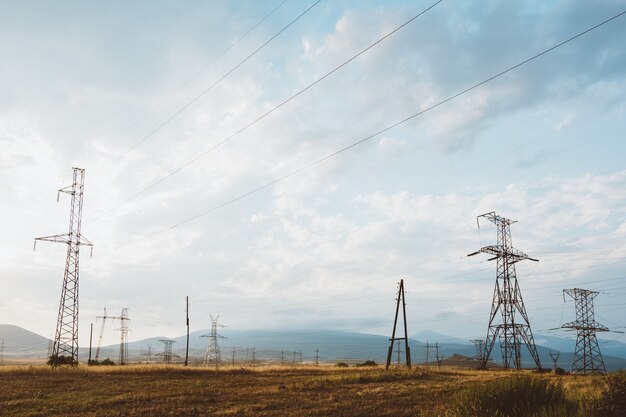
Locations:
column 213, row 350
column 2, row 352
column 479, row 346
column 167, row 350
column 393, row 338
column 65, row 345
column 507, row 300
column 587, row 357
column 555, row 358
column 124, row 319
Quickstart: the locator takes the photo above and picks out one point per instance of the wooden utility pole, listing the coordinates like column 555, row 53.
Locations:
column 187, row 347
column 407, row 350
column 90, row 336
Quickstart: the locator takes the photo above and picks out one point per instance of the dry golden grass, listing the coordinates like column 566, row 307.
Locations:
column 158, row 390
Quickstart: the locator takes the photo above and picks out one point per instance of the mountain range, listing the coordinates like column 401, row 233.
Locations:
column 304, row 345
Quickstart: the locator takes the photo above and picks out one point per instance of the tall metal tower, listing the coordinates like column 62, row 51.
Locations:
column 213, row 350
column 555, row 359
column 507, row 300
column 479, row 345
column 65, row 346
column 124, row 319
column 167, row 350
column 407, row 350
column 587, row 357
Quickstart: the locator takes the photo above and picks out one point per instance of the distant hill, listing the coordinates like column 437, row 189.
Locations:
column 21, row 343
column 333, row 346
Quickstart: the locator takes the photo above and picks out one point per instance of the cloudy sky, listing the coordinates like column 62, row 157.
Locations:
column 151, row 99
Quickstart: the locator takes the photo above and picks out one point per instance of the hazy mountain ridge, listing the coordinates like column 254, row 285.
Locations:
column 333, row 346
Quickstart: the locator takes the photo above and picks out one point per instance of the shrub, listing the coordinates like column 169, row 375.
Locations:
column 516, row 396
column 367, row 363
column 55, row 360
column 612, row 402
column 342, row 365
column 94, row 362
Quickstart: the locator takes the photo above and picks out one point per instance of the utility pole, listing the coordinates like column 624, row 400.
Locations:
column 393, row 333
column 2, row 352
column 65, row 345
column 437, row 357
column 587, row 356
column 427, row 349
column 300, row 357
column 187, row 346
column 282, row 357
column 253, row 356
column 555, row 358
column 213, row 349
column 90, row 340
column 507, row 299
column 233, row 362
column 317, row 356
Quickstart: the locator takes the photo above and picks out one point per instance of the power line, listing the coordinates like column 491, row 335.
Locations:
column 193, row 76
column 396, row 124
column 267, row 113
column 206, row 90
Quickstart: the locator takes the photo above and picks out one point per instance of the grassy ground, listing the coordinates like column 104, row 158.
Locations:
column 150, row 390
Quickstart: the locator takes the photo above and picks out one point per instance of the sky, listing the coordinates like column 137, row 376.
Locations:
column 181, row 114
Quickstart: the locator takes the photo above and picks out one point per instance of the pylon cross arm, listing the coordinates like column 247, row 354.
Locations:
column 64, row 238
column 499, row 251
column 595, row 326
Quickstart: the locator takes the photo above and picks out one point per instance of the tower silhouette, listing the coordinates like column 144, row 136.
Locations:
column 587, row 356
column 213, row 349
column 393, row 338
column 507, row 302
column 65, row 344
column 124, row 319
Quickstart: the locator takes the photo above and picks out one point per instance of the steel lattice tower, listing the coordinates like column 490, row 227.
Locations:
column 507, row 300
column 124, row 319
column 167, row 350
column 587, row 357
column 479, row 346
column 213, row 350
column 65, row 346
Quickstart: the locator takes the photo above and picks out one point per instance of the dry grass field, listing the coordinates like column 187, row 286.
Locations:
column 149, row 390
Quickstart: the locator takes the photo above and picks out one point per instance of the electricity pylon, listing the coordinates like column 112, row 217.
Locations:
column 124, row 319
column 65, row 346
column 167, row 350
column 407, row 350
column 555, row 359
column 507, row 300
column 587, row 357
column 213, row 349
column 479, row 345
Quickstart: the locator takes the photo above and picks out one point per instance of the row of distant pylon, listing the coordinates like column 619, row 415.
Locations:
column 507, row 303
